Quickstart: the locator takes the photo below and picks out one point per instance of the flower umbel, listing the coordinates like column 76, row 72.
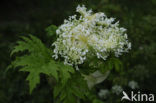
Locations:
column 90, row 33
column 133, row 84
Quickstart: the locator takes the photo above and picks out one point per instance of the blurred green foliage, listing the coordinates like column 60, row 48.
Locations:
column 23, row 17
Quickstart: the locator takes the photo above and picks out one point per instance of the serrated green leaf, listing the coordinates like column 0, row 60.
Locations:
column 51, row 69
column 73, row 89
column 65, row 73
column 33, row 79
column 38, row 60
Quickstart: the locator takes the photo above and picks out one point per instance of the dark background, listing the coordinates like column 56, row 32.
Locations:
column 23, row 17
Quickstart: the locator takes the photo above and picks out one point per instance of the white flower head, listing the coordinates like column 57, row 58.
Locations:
column 103, row 93
column 92, row 33
column 117, row 89
column 133, row 84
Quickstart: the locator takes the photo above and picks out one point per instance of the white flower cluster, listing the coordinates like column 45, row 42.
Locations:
column 117, row 89
column 89, row 34
column 103, row 93
column 133, row 84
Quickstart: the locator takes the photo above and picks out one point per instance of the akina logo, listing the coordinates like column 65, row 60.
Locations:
column 137, row 96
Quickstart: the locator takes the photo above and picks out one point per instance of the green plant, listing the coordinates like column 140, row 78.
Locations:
column 73, row 80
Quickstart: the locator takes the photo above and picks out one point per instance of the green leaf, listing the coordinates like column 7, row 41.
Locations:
column 38, row 60
column 117, row 64
column 75, row 88
column 33, row 79
column 111, row 63
column 51, row 30
column 65, row 73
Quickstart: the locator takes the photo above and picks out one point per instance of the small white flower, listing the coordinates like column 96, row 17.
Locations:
column 133, row 85
column 103, row 93
column 117, row 89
